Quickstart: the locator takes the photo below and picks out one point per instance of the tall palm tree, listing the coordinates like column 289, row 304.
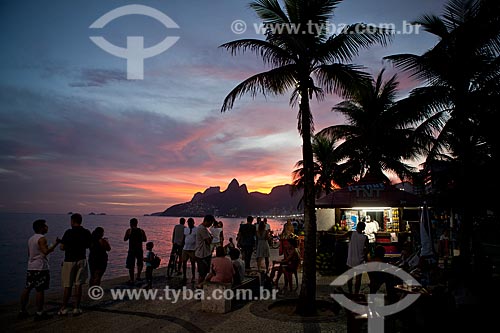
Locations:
column 377, row 138
column 306, row 62
column 460, row 99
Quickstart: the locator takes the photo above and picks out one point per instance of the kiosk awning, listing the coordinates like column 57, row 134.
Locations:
column 369, row 195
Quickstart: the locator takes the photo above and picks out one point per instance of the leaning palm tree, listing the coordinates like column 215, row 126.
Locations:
column 306, row 61
column 377, row 138
column 460, row 99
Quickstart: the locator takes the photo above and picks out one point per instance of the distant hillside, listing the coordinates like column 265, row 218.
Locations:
column 235, row 201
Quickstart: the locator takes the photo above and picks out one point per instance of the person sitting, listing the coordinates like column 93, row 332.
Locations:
column 288, row 266
column 229, row 246
column 238, row 266
column 221, row 269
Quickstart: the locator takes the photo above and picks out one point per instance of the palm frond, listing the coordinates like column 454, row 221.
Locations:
column 432, row 24
column 457, row 12
column 275, row 81
column 269, row 11
column 344, row 46
column 270, row 54
column 318, row 11
column 411, row 63
column 342, row 79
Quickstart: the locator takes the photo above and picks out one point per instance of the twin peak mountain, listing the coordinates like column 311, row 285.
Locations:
column 236, row 201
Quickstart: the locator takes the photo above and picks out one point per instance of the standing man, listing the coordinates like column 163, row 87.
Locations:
column 246, row 239
column 74, row 243
column 371, row 228
column 357, row 255
column 38, row 275
column 178, row 242
column 202, row 251
column 135, row 237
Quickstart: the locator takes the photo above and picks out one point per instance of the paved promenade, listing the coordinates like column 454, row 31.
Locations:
column 186, row 315
column 108, row 315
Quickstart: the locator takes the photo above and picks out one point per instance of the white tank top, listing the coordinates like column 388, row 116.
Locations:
column 37, row 261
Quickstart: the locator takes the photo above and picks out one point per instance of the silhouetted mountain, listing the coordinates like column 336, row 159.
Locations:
column 236, row 201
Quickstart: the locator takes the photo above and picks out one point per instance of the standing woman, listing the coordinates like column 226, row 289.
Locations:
column 217, row 234
column 98, row 256
column 188, row 250
column 262, row 245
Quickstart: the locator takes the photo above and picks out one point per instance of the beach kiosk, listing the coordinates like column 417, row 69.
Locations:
column 394, row 210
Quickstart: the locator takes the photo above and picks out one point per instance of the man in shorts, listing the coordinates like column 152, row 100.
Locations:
column 135, row 237
column 38, row 275
column 202, row 250
column 74, row 243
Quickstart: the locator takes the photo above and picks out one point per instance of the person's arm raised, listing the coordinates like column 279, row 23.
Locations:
column 44, row 248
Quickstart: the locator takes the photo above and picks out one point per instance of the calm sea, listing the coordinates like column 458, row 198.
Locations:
column 17, row 228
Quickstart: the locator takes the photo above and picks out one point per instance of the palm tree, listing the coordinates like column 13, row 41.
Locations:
column 377, row 138
column 306, row 62
column 329, row 173
column 460, row 99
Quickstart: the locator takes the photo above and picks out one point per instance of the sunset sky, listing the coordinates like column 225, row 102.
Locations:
column 76, row 135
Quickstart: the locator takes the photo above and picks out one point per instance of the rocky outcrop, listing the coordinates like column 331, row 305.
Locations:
column 235, row 201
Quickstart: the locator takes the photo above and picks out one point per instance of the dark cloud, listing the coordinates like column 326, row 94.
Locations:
column 98, row 77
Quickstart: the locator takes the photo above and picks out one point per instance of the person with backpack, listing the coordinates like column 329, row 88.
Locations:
column 151, row 262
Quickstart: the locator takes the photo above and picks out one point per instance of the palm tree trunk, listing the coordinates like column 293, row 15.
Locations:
column 307, row 297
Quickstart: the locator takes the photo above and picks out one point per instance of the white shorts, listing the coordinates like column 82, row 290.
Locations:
column 74, row 273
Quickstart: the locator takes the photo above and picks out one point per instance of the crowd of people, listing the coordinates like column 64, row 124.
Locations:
column 203, row 246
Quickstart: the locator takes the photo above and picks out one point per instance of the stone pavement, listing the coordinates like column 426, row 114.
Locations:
column 110, row 315
column 186, row 315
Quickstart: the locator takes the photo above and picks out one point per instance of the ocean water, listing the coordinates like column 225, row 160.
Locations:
column 16, row 229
